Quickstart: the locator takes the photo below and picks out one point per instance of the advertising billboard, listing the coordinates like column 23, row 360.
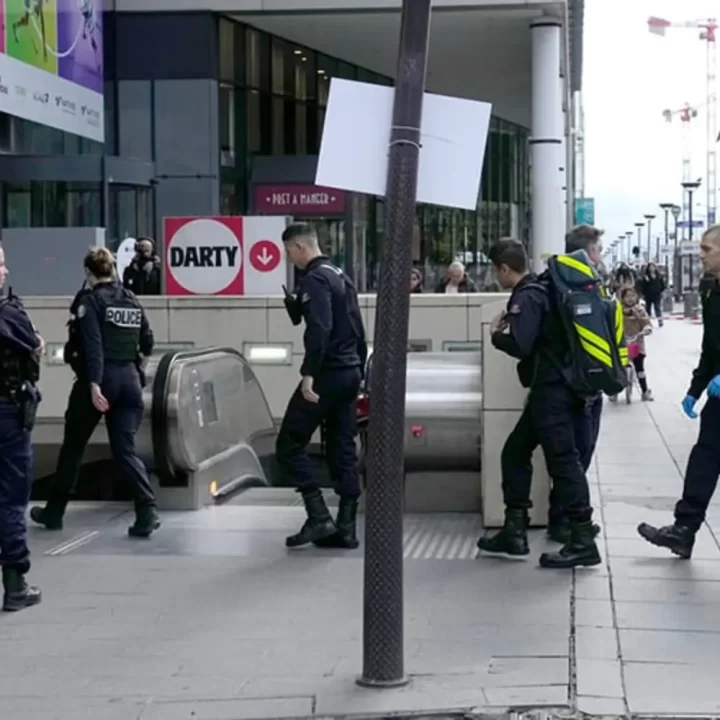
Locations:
column 51, row 64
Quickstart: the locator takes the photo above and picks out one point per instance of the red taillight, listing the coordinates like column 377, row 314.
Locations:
column 362, row 406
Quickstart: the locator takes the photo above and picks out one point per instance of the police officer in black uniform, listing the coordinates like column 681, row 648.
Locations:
column 20, row 351
column 532, row 331
column 108, row 336
column 332, row 370
column 703, row 467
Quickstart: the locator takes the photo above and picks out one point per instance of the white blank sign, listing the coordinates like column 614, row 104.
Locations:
column 356, row 138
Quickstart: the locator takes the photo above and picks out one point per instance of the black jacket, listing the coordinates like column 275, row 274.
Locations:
column 652, row 287
column 142, row 276
column 334, row 333
column 709, row 365
column 535, row 334
column 466, row 285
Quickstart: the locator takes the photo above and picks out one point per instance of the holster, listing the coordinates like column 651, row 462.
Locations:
column 28, row 398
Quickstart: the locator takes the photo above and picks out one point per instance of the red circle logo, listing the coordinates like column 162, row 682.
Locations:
column 264, row 256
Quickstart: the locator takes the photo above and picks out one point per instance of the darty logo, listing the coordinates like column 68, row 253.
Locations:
column 41, row 97
column 66, row 105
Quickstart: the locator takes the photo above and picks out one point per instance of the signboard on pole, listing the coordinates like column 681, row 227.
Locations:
column 51, row 64
column 687, row 224
column 584, row 211
column 224, row 255
column 356, row 137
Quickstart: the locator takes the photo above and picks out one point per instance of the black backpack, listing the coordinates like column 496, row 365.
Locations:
column 593, row 324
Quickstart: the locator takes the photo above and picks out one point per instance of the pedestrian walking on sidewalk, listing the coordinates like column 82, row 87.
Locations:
column 703, row 468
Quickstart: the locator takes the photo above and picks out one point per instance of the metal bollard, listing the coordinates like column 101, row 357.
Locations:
column 691, row 304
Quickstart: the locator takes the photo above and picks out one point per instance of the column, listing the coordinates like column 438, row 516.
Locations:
column 546, row 143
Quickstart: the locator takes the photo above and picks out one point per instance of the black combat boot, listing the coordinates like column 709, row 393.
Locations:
column 319, row 524
column 560, row 532
column 512, row 539
column 147, row 521
column 678, row 539
column 346, row 536
column 579, row 551
column 17, row 594
column 51, row 516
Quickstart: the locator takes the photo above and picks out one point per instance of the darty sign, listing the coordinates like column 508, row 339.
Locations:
column 224, row 255
column 298, row 200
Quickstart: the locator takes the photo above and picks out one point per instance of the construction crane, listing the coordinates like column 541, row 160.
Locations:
column 707, row 33
column 686, row 114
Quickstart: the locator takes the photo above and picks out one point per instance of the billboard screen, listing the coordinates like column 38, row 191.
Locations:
column 51, row 64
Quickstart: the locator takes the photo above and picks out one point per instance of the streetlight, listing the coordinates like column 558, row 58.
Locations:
column 666, row 208
column 690, row 188
column 619, row 242
column 649, row 219
column 628, row 237
column 677, row 262
column 639, row 226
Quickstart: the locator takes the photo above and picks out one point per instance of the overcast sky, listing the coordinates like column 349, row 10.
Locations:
column 633, row 156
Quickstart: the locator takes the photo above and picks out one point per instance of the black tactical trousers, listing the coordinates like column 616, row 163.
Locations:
column 338, row 390
column 121, row 387
column 550, row 419
column 703, row 469
column 587, row 430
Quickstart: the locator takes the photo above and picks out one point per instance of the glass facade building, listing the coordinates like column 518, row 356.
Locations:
column 265, row 98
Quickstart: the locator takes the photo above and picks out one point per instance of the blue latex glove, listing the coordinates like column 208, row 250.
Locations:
column 688, row 406
column 713, row 389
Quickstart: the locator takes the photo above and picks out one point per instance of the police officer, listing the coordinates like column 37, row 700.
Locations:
column 332, row 370
column 532, row 331
column 107, row 335
column 587, row 429
column 703, row 467
column 20, row 351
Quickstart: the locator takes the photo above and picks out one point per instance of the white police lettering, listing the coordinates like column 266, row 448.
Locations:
column 124, row 317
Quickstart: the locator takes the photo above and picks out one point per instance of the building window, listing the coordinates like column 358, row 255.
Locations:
column 226, row 98
column 301, row 135
column 257, row 60
column 279, row 51
column 278, row 126
column 226, row 43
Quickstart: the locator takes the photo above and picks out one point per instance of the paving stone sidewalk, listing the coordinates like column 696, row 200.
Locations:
column 214, row 620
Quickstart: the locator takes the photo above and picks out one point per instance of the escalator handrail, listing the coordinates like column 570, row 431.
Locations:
column 167, row 475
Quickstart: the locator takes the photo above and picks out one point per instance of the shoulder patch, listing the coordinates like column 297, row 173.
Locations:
column 515, row 309
column 305, row 298
column 82, row 310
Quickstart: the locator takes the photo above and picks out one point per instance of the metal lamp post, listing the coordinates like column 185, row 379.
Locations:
column 690, row 188
column 628, row 236
column 676, row 211
column 666, row 208
column 639, row 226
column 649, row 219
column 383, row 610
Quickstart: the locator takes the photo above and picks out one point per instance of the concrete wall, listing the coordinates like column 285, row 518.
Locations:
column 200, row 322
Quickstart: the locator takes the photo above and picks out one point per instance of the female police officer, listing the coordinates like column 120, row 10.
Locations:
column 20, row 351
column 112, row 331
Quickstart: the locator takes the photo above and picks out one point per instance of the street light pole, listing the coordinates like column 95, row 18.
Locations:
column 383, row 616
column 639, row 226
column 677, row 262
column 649, row 219
column 628, row 237
column 690, row 188
column 666, row 208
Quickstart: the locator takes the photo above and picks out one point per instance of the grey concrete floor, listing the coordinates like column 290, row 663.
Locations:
column 214, row 620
